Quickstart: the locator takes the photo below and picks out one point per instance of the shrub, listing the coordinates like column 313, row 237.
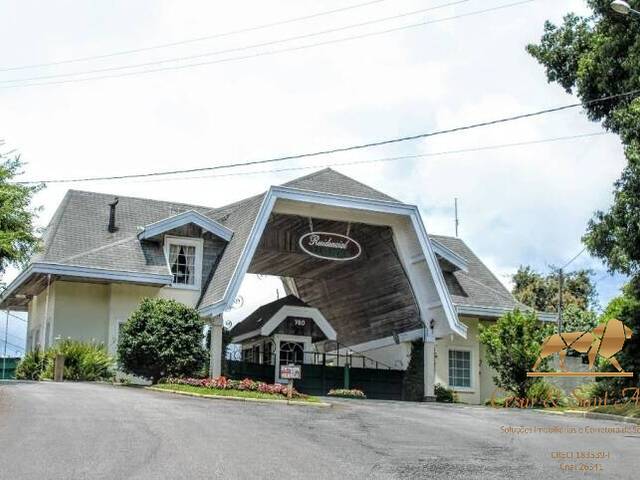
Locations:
column 32, row 366
column 512, row 346
column 413, row 380
column 444, row 394
column 592, row 393
column 346, row 393
column 224, row 383
column 162, row 338
column 83, row 361
column 543, row 393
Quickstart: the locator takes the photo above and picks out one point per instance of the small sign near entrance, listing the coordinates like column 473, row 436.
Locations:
column 330, row 246
column 291, row 372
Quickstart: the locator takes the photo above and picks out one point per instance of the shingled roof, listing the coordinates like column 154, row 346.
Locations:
column 263, row 314
column 476, row 287
column 77, row 236
column 242, row 215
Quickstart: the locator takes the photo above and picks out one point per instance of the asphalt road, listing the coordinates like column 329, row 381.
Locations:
column 89, row 431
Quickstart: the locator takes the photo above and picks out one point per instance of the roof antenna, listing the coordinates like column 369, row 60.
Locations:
column 455, row 203
column 112, row 215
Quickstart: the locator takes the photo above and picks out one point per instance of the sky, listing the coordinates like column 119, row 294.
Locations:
column 522, row 205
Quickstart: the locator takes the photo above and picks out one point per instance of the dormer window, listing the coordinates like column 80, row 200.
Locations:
column 184, row 258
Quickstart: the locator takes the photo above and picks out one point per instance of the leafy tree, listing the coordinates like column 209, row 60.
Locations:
column 541, row 291
column 18, row 238
column 575, row 319
column 626, row 307
column 512, row 346
column 597, row 57
column 162, row 338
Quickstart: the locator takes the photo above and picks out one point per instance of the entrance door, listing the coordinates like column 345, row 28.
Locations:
column 291, row 352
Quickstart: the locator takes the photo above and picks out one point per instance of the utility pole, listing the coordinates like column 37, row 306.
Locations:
column 560, row 288
column 457, row 222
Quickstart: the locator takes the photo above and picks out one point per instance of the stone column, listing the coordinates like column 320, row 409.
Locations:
column 429, row 367
column 215, row 352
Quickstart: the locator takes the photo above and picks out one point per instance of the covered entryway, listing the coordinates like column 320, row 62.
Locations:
column 372, row 273
column 288, row 331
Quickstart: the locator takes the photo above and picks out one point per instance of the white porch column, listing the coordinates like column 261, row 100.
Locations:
column 215, row 351
column 429, row 367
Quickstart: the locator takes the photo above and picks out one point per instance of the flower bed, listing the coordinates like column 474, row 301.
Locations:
column 347, row 393
column 228, row 386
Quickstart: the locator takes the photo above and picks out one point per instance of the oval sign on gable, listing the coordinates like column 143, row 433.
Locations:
column 330, row 246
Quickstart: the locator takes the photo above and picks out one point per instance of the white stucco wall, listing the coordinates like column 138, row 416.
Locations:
column 482, row 384
column 471, row 344
column 92, row 311
column 395, row 356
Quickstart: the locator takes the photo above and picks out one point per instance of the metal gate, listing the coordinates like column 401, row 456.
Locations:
column 8, row 368
column 322, row 372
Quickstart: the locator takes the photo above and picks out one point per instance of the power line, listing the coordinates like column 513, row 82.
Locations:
column 191, row 40
column 20, row 339
column 340, row 149
column 15, row 316
column 385, row 159
column 573, row 258
column 15, row 346
column 601, row 278
column 235, row 49
column 266, row 53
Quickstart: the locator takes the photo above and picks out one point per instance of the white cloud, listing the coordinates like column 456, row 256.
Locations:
column 518, row 206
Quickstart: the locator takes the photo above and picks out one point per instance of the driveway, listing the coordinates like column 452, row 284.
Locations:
column 79, row 430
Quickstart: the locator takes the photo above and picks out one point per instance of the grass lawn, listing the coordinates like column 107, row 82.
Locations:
column 626, row 410
column 230, row 393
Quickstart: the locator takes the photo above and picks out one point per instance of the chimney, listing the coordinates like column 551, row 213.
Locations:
column 112, row 215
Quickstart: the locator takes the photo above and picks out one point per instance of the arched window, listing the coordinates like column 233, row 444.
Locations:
column 291, row 352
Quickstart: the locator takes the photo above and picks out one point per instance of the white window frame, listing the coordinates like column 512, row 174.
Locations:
column 282, row 338
column 198, row 243
column 472, row 369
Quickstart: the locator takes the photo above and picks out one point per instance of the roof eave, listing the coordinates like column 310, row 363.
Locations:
column 497, row 312
column 157, row 228
column 77, row 271
column 344, row 201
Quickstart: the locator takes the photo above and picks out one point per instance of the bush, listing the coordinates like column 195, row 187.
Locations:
column 444, row 394
column 543, row 393
column 83, row 361
column 162, row 338
column 512, row 347
column 224, row 383
column 346, row 393
column 32, row 366
column 591, row 393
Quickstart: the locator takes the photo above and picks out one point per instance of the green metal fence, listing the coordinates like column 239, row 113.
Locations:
column 8, row 368
column 375, row 383
column 326, row 373
column 239, row 370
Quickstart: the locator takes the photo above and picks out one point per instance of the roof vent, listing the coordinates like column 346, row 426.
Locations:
column 112, row 215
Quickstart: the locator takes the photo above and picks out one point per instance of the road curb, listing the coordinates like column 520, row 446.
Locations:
column 594, row 416
column 241, row 399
